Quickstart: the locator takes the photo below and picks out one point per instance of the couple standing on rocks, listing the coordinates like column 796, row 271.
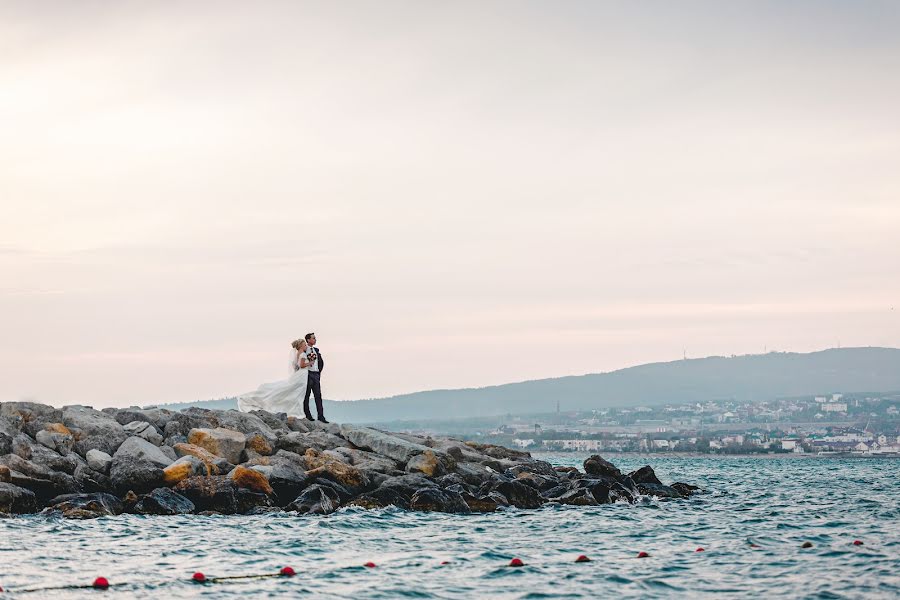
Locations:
column 284, row 396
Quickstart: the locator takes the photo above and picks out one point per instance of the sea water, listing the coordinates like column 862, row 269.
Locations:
column 752, row 520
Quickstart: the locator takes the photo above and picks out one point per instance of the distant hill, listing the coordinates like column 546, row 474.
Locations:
column 742, row 378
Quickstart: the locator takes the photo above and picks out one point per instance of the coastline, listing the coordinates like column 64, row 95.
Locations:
column 790, row 455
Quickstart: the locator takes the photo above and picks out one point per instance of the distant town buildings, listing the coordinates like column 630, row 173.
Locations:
column 821, row 424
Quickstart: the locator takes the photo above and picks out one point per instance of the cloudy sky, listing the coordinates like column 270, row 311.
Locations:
column 449, row 194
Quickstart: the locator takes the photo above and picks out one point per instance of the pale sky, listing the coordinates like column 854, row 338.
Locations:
column 450, row 194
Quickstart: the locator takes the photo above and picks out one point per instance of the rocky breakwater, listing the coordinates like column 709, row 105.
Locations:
column 82, row 463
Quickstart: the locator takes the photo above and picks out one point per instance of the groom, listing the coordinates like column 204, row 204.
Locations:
column 315, row 377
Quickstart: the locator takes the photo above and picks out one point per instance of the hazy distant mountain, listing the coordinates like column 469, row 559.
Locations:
column 751, row 377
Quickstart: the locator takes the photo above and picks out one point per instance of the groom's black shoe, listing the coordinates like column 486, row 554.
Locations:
column 309, row 417
column 321, row 420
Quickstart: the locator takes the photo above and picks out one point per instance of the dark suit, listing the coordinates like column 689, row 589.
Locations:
column 314, row 386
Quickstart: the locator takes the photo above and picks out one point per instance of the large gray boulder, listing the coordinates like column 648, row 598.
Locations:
column 58, row 441
column 368, row 461
column 138, row 465
column 30, row 417
column 234, row 420
column 246, row 423
column 45, row 457
column 90, row 480
column 95, row 430
column 7, row 432
column 382, row 443
column 181, row 423
column 99, row 461
column 299, row 443
column 145, row 430
column 16, row 501
column 227, row 443
column 286, row 473
column 43, row 481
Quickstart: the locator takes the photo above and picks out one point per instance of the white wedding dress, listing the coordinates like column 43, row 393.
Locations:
column 284, row 396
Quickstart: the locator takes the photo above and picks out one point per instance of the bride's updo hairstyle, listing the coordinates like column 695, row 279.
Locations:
column 296, row 344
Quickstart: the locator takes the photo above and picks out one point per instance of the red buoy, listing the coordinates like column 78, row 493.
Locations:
column 516, row 562
column 582, row 558
column 445, row 562
column 101, row 583
column 700, row 549
column 754, row 546
column 857, row 542
column 199, row 577
column 287, row 572
column 369, row 565
column 642, row 554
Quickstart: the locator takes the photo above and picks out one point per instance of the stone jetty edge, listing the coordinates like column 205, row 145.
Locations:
column 79, row 462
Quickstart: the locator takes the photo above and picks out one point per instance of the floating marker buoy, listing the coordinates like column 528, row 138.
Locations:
column 516, row 562
column 807, row 545
column 287, row 572
column 642, row 554
column 369, row 565
column 700, row 549
column 445, row 562
column 857, row 542
column 101, row 583
column 582, row 558
column 199, row 577
column 754, row 546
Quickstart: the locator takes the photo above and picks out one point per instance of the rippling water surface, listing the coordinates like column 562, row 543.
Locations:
column 774, row 503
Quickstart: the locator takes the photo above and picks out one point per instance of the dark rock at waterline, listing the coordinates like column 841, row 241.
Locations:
column 685, row 489
column 383, row 496
column 221, row 494
column 595, row 465
column 537, row 481
column 482, row 504
column 316, row 499
column 578, row 497
column 645, row 475
column 278, row 461
column 516, row 493
column 438, row 500
column 164, row 501
column 658, row 490
column 15, row 500
column 537, row 467
column 86, row 506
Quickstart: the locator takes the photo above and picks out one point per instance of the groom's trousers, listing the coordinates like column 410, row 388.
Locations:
column 314, row 386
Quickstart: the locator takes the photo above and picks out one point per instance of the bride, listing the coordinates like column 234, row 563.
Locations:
column 282, row 396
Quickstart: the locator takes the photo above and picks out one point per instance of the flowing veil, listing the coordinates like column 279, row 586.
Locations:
column 292, row 366
column 284, row 396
